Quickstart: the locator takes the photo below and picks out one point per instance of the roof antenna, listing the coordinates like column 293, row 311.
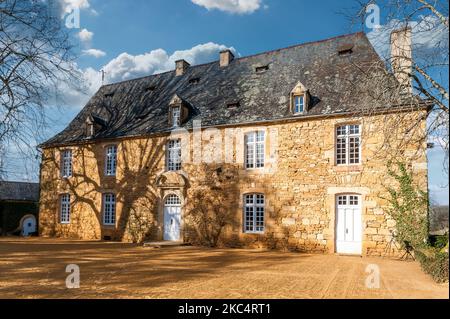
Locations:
column 103, row 76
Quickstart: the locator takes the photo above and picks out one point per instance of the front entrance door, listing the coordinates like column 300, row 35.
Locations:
column 172, row 218
column 349, row 225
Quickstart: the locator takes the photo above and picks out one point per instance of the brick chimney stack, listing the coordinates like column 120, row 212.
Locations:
column 181, row 67
column 401, row 57
column 226, row 56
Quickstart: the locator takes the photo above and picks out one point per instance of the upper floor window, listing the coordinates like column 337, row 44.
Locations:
column 109, row 209
column 254, row 150
column 65, row 209
column 173, row 155
column 176, row 116
column 299, row 104
column 348, row 145
column 66, row 163
column 254, row 213
column 111, row 160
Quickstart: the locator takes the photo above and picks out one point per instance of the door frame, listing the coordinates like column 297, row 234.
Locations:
column 336, row 220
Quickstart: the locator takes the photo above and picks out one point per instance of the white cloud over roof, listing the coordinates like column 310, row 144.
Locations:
column 231, row 6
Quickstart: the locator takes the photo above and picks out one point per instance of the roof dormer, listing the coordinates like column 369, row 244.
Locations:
column 299, row 99
column 178, row 111
column 93, row 125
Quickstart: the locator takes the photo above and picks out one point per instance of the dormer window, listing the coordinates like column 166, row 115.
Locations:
column 299, row 104
column 299, row 98
column 178, row 111
column 93, row 125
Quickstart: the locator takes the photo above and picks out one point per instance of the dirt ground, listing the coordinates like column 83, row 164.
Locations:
column 35, row 268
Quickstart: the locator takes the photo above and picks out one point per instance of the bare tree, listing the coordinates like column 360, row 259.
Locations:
column 35, row 57
column 417, row 70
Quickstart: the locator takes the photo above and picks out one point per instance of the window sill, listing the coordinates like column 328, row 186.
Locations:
column 253, row 233
column 64, row 223
column 348, row 168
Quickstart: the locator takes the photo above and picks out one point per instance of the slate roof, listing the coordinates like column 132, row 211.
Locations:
column 19, row 191
column 140, row 107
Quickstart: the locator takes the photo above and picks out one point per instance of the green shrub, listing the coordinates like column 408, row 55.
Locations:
column 434, row 263
column 408, row 206
column 439, row 241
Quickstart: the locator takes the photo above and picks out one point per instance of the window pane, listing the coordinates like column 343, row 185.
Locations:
column 341, row 154
column 67, row 163
column 65, row 208
column 354, row 150
column 111, row 160
column 176, row 114
column 109, row 209
column 348, row 144
column 342, row 200
column 354, row 200
column 254, row 150
column 299, row 103
column 174, row 155
column 254, row 213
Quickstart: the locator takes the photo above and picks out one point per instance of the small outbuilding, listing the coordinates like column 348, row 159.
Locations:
column 19, row 206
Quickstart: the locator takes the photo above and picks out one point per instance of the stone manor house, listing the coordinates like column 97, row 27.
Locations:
column 282, row 149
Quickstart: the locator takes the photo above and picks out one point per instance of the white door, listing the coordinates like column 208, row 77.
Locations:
column 28, row 226
column 172, row 218
column 349, row 225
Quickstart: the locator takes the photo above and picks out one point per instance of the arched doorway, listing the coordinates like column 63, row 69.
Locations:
column 28, row 225
column 172, row 218
column 348, row 224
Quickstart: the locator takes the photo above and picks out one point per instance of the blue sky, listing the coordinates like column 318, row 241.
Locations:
column 130, row 38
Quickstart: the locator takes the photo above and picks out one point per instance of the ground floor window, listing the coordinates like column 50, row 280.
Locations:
column 65, row 209
column 254, row 213
column 109, row 209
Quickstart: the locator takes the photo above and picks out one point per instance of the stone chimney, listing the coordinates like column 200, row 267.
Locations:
column 180, row 67
column 401, row 57
column 226, row 56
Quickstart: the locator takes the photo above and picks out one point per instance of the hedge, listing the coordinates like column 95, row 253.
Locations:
column 434, row 263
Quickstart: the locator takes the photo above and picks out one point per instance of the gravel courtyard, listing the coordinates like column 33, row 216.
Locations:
column 35, row 268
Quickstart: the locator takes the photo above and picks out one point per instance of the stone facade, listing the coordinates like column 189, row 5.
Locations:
column 300, row 182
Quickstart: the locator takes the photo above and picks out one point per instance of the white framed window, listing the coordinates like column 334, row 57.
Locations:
column 255, row 150
column 176, row 116
column 66, row 163
column 111, row 160
column 254, row 213
column 348, row 144
column 173, row 155
column 109, row 209
column 64, row 209
column 299, row 104
column 348, row 200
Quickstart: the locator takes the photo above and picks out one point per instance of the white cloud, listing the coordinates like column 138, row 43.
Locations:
column 85, row 35
column 231, row 6
column 427, row 34
column 95, row 53
column 126, row 66
column 68, row 6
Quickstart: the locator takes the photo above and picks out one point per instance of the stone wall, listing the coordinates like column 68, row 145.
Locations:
column 300, row 183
